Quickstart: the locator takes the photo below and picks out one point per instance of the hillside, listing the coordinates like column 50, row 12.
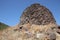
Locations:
column 3, row 26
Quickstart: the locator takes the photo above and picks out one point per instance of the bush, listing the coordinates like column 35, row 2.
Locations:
column 3, row 26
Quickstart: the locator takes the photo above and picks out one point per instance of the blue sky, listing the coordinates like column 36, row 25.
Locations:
column 11, row 10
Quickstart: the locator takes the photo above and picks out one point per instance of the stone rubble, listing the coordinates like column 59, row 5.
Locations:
column 33, row 32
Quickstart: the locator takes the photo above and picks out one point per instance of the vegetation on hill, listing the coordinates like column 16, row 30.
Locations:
column 3, row 26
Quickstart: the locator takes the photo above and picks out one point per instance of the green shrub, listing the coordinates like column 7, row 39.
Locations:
column 3, row 26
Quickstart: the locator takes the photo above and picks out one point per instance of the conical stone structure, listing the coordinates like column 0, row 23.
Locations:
column 40, row 19
column 37, row 14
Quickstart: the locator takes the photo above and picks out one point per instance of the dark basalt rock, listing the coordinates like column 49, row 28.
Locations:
column 37, row 14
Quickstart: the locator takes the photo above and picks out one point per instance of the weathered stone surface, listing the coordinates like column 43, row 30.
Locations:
column 37, row 14
column 29, row 32
column 37, row 23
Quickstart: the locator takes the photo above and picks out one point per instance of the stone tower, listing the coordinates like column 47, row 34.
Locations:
column 38, row 19
column 37, row 14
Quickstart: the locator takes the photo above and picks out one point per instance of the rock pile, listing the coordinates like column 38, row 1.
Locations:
column 37, row 14
column 36, row 23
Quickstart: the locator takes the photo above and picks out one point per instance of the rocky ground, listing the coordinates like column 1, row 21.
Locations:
column 30, row 32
